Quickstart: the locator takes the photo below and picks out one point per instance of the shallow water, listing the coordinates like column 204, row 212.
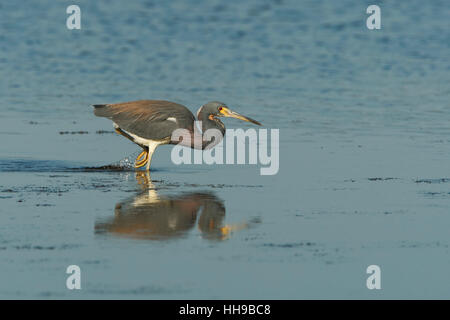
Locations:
column 364, row 173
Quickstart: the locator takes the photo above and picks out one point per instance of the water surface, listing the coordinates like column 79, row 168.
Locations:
column 364, row 145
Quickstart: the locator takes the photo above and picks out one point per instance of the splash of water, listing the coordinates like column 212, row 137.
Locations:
column 124, row 164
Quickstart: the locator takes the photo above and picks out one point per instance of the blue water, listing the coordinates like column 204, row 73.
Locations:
column 364, row 148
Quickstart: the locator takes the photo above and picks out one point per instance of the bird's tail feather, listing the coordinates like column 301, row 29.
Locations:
column 101, row 110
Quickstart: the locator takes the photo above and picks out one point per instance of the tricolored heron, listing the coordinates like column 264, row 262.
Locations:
column 150, row 123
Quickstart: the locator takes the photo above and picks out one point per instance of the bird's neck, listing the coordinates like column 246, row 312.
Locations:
column 210, row 122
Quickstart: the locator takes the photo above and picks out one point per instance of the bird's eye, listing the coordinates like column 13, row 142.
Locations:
column 220, row 108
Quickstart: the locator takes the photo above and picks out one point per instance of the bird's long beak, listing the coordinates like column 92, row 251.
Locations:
column 225, row 112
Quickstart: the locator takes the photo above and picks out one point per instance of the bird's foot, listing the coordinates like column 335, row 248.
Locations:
column 141, row 160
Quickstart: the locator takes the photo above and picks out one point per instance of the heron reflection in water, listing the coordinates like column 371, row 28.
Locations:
column 151, row 216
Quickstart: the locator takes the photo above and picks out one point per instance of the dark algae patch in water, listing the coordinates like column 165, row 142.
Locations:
column 433, row 181
column 109, row 167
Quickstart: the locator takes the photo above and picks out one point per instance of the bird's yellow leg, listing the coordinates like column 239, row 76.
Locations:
column 141, row 162
column 142, row 154
column 139, row 165
column 142, row 158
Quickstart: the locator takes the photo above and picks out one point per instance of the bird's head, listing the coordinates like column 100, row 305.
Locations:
column 219, row 109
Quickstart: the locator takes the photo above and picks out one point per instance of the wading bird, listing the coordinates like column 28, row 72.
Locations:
column 150, row 123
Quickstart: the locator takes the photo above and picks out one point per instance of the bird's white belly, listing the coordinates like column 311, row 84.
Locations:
column 143, row 141
column 139, row 140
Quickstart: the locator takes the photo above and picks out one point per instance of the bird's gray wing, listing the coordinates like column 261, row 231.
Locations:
column 149, row 119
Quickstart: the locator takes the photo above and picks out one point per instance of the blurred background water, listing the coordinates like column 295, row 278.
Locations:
column 364, row 147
